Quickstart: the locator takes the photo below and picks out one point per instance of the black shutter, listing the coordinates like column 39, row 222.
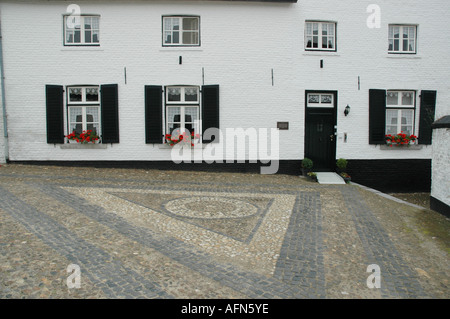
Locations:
column 110, row 113
column 55, row 114
column 377, row 116
column 153, row 114
column 427, row 108
column 210, row 110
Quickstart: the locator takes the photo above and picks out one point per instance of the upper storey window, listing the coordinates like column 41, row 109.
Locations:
column 181, row 31
column 82, row 30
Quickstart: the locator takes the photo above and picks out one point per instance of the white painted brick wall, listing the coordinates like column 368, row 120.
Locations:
column 2, row 135
column 440, row 165
column 240, row 44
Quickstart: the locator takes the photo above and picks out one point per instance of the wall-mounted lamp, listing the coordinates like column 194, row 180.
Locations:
column 347, row 110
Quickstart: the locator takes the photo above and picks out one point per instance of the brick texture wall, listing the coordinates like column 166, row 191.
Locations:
column 441, row 168
column 241, row 43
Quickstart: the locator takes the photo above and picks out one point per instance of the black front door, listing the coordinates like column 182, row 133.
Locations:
column 320, row 139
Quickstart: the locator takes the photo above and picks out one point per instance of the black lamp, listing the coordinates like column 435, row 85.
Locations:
column 347, row 110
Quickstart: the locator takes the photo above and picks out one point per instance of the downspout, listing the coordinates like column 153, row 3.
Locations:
column 2, row 75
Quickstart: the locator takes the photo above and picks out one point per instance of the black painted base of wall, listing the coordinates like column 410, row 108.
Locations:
column 288, row 167
column 439, row 206
column 396, row 176
column 392, row 176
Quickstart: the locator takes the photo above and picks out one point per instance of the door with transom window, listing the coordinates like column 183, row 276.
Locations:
column 320, row 123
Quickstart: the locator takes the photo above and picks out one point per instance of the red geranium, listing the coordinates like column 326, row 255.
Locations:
column 400, row 139
column 84, row 137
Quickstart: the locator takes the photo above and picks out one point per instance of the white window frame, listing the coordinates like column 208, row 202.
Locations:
column 80, row 19
column 320, row 103
column 181, row 31
column 400, row 108
column 83, row 104
column 182, row 104
column 401, row 48
column 319, row 36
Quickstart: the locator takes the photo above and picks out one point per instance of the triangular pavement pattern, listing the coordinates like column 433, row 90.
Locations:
column 329, row 178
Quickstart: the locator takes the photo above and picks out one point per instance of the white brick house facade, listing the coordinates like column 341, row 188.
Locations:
column 254, row 51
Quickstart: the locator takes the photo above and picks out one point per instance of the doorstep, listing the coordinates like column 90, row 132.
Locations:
column 329, row 178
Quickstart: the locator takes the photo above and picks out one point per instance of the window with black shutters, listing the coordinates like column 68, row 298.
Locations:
column 394, row 111
column 92, row 107
column 178, row 109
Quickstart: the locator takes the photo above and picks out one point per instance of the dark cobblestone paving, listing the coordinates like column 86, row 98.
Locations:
column 155, row 234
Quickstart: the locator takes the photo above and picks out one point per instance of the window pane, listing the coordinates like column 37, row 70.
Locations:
column 313, row 98
column 396, row 45
column 327, row 99
column 95, row 23
column 330, row 43
column 315, row 42
column 309, row 42
column 87, row 36
column 392, row 98
column 92, row 114
column 191, row 94
column 77, row 36
column 190, row 23
column 91, row 94
column 396, row 32
column 391, row 32
column 391, row 45
column 412, row 46
column 308, row 28
column 405, row 45
column 95, row 37
column 391, row 122
column 173, row 114
column 168, row 37
column 315, row 28
column 407, row 117
column 75, row 114
column 407, row 98
column 331, row 29
column 190, row 37
column 87, row 23
column 174, row 130
column 174, row 95
column 190, row 114
column 75, row 94
column 391, row 117
column 69, row 36
column 175, row 24
column 324, row 43
column 172, row 24
column 175, row 37
column 94, row 127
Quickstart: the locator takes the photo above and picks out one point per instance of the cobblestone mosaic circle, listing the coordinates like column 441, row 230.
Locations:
column 210, row 207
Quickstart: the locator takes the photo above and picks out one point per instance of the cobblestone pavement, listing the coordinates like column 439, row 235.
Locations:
column 137, row 233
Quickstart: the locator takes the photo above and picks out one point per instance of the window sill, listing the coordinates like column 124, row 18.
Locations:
column 181, row 48
column 82, row 48
column 321, row 53
column 401, row 147
column 403, row 56
column 167, row 146
column 83, row 146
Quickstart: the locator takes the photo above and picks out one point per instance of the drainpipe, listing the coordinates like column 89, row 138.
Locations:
column 2, row 75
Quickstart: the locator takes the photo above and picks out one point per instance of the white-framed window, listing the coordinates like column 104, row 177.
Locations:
column 320, row 36
column 82, row 30
column 182, row 110
column 83, row 109
column 400, row 110
column 402, row 38
column 320, row 100
column 181, row 31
